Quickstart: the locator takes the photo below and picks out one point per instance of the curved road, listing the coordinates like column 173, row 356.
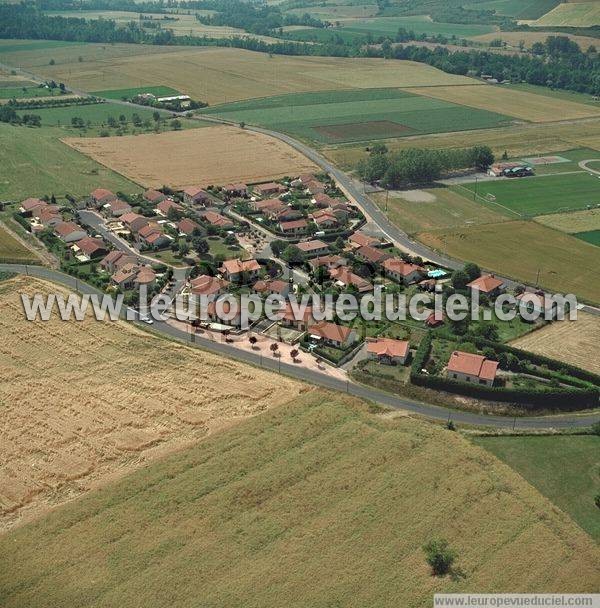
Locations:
column 564, row 421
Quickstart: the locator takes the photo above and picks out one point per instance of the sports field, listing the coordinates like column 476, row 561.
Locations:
column 11, row 250
column 316, row 503
column 531, row 196
column 571, row 14
column 362, row 114
column 520, row 104
column 34, row 162
column 565, row 469
column 213, row 155
column 576, row 221
column 589, row 236
column 520, row 250
column 217, row 75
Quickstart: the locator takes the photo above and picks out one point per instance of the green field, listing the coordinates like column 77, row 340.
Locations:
column 315, row 34
column 96, row 114
column 590, row 236
column 518, row 9
column 565, row 469
column 159, row 91
column 27, row 92
column 531, row 196
column 12, row 250
column 13, row 46
column 314, row 504
column 33, row 162
column 356, row 115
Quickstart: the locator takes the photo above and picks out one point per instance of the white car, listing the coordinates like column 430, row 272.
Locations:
column 146, row 319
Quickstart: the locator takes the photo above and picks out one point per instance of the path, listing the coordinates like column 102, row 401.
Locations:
column 584, row 165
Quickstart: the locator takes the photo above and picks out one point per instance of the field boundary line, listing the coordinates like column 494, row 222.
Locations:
column 489, row 202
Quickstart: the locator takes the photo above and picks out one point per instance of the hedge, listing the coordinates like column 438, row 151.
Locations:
column 22, row 221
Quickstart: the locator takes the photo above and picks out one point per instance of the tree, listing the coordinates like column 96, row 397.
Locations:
column 277, row 247
column 176, row 124
column 294, row 354
column 200, row 245
column 274, row 348
column 483, row 157
column 439, row 556
column 253, row 340
column 184, row 248
column 472, row 271
column 459, row 279
column 597, row 500
column 122, row 119
column 292, row 255
column 156, row 116
column 52, row 62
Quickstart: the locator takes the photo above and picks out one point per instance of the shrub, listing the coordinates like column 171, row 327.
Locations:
column 439, row 556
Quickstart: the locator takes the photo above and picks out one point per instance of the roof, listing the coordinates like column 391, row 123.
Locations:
column 268, row 186
column 371, row 254
column 387, row 347
column 330, row 331
column 272, row 285
column 101, row 193
column 326, row 260
column 154, row 195
column 118, row 205
column 306, row 312
column 111, row 258
column 237, row 265
column 146, row 231
column 166, row 206
column 195, row 191
column 235, row 187
column 306, row 178
column 216, row 219
column 323, row 199
column 128, row 218
column 323, row 216
column 315, row 186
column 187, row 226
column 205, row 285
column 155, row 236
column 90, row 245
column 269, row 203
column 308, row 246
column 66, row 228
column 145, row 275
column 347, row 277
column 400, row 266
column 46, row 212
column 293, row 224
column 486, row 283
column 472, row 365
column 362, row 239
column 124, row 273
column 31, row 203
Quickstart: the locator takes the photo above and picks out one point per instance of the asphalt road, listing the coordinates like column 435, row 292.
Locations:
column 564, row 421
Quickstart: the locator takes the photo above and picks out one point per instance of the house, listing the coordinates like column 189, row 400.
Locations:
column 340, row 210
column 487, row 284
column 90, row 248
column 299, row 321
column 194, row 195
column 101, row 196
column 187, row 226
column 388, row 351
column 359, row 239
column 434, row 321
column 124, row 277
column 115, row 260
column 267, row 287
column 329, row 261
column 237, row 270
column 306, row 178
column 235, row 190
column 31, row 204
column 47, row 215
column 268, row 204
column 287, row 214
column 344, row 277
column 213, row 316
column 333, row 334
column 293, row 227
column 69, row 232
column 134, row 221
column 268, row 189
column 468, row 367
column 117, row 208
column 324, row 218
column 154, row 196
column 164, row 207
column 153, row 236
column 322, row 200
column 315, row 187
column 145, row 276
column 371, row 255
column 538, row 302
column 210, row 287
column 312, row 248
column 218, row 220
column 401, row 271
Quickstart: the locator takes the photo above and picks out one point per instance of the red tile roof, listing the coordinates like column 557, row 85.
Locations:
column 205, row 285
column 486, row 283
column 187, row 226
column 472, row 365
column 308, row 246
column 330, row 331
column 370, row 254
column 347, row 277
column 166, row 206
column 293, row 225
column 31, row 203
column 400, row 267
column 90, row 245
column 216, row 219
column 271, row 285
column 236, row 266
column 118, row 205
column 387, row 347
column 361, row 239
column 154, row 196
column 66, row 228
column 100, row 194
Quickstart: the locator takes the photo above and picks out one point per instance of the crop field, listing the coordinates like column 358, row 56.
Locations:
column 518, row 9
column 96, row 114
column 585, row 98
column 34, row 162
column 589, row 236
column 422, row 210
column 520, row 250
column 335, row 13
column 576, row 221
column 531, row 196
column 279, row 495
column 508, row 101
column 565, row 469
column 159, row 91
column 219, row 75
column 341, row 116
column 580, row 14
column 26, row 92
column 212, row 155
column 85, row 402
column 575, row 342
column 11, row 250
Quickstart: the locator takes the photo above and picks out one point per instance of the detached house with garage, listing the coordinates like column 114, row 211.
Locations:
column 468, row 367
column 100, row 196
column 388, row 351
column 194, row 195
column 134, row 221
column 240, row 270
column 89, row 248
column 401, row 271
column 488, row 285
column 69, row 232
column 333, row 334
column 154, row 196
column 294, row 227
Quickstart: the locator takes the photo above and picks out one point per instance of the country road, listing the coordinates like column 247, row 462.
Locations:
column 563, row 421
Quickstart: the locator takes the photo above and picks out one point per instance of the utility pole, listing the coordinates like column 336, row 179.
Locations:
column 387, row 196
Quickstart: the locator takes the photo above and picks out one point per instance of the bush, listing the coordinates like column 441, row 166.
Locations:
column 439, row 556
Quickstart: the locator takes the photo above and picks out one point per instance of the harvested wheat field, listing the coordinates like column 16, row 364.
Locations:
column 520, row 104
column 214, row 155
column 575, row 342
column 85, row 402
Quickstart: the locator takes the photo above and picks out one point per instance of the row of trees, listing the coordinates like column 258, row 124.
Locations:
column 8, row 114
column 419, row 166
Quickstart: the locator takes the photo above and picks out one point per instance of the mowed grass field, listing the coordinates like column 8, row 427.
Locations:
column 577, row 221
column 34, row 162
column 216, row 75
column 26, row 92
column 11, row 250
column 565, row 469
column 571, row 14
column 85, row 402
column 590, row 236
column 362, row 114
column 531, row 196
column 315, row 503
column 97, row 114
column 520, row 249
column 574, row 342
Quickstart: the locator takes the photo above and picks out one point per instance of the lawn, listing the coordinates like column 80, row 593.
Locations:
column 315, row 503
column 362, row 114
column 33, row 162
column 565, row 469
column 590, row 236
column 521, row 250
column 218, row 248
column 531, row 196
column 11, row 250
column 159, row 91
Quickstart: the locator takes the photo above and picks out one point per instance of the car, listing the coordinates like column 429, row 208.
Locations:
column 146, row 319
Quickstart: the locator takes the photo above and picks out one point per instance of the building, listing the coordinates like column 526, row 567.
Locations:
column 344, row 277
column 401, row 271
column 29, row 205
column 371, row 255
column 333, row 334
column 124, row 277
column 238, row 270
column 359, row 239
column 313, row 248
column 153, row 236
column 467, row 367
column 235, row 190
column 89, row 247
column 164, row 207
column 218, row 220
column 154, row 196
column 194, row 195
column 487, row 284
column 145, row 276
column 207, row 286
column 388, row 351
column 329, row 261
column 117, row 208
column 324, row 218
column 101, row 196
column 46, row 215
column 187, row 226
column 293, row 227
column 267, row 287
column 315, row 187
column 115, row 260
column 299, row 319
column 287, row 214
column 134, row 221
column 322, row 200
column 69, row 232
column 268, row 189
column 434, row 320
